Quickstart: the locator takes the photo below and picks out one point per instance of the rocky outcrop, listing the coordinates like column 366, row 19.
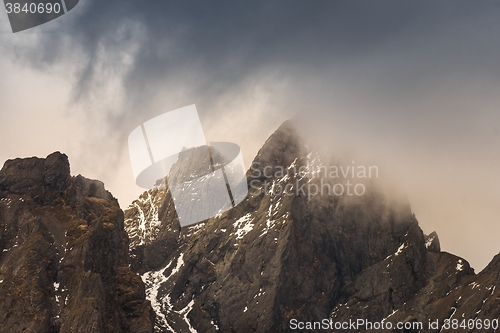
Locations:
column 455, row 296
column 64, row 261
column 286, row 255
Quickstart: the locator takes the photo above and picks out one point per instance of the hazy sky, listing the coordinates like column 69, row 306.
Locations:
column 412, row 86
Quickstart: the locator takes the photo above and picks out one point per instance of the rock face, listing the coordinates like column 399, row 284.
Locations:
column 64, row 261
column 285, row 256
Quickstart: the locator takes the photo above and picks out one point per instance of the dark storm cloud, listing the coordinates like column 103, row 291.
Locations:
column 208, row 47
column 205, row 48
column 413, row 83
column 225, row 41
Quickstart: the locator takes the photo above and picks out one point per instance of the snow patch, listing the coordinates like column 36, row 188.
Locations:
column 7, row 201
column 474, row 285
column 429, row 241
column 260, row 293
column 390, row 315
column 184, row 312
column 194, row 229
column 145, row 226
column 215, row 325
column 243, row 226
column 153, row 282
column 401, row 249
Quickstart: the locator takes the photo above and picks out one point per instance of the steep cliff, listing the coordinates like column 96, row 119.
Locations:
column 64, row 261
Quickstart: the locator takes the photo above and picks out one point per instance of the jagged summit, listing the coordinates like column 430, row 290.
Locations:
column 282, row 147
column 285, row 254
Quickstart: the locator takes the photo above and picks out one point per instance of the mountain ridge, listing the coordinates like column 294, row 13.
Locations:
column 280, row 258
column 274, row 258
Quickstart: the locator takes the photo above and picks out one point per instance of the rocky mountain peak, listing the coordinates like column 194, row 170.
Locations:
column 64, row 254
column 42, row 178
column 296, row 250
column 285, row 254
column 282, row 147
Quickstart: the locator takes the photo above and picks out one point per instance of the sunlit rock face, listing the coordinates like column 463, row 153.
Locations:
column 64, row 254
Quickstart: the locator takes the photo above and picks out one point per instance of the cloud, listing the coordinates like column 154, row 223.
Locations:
column 411, row 85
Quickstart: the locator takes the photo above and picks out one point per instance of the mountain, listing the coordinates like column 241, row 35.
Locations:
column 64, row 254
column 315, row 245
column 290, row 254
